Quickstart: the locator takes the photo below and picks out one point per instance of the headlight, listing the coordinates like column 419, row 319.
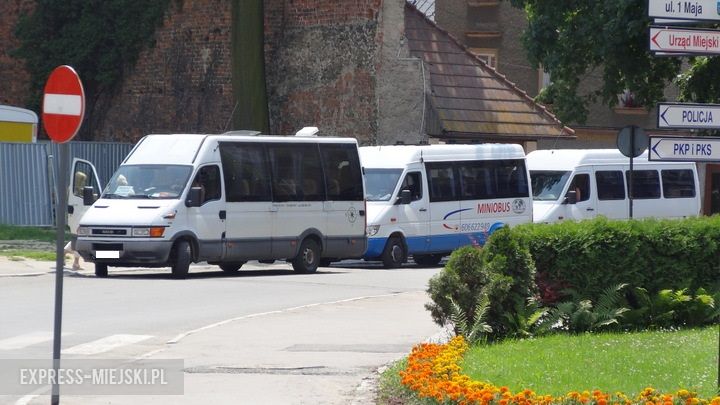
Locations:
column 372, row 230
column 149, row 232
column 83, row 231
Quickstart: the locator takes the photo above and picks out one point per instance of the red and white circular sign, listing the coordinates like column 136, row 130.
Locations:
column 63, row 104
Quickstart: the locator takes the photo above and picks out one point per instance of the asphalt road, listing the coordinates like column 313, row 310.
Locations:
column 263, row 335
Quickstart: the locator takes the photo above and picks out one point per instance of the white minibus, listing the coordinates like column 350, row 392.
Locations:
column 226, row 199
column 428, row 200
column 579, row 184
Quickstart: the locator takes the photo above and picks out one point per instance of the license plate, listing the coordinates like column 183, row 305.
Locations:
column 107, row 254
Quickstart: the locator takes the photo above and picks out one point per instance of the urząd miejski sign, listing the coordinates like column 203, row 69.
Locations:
column 686, row 115
column 684, row 40
column 705, row 10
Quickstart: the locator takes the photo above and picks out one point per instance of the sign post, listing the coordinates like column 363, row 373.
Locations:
column 62, row 113
column 632, row 142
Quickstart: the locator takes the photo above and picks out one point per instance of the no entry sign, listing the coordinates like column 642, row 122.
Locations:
column 63, row 104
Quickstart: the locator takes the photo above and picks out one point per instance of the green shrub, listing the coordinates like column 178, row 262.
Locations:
column 502, row 272
column 587, row 256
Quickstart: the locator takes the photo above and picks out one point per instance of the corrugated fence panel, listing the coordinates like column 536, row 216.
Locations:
column 105, row 156
column 25, row 197
column 27, row 177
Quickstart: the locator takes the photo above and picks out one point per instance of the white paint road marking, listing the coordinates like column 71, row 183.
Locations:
column 28, row 339
column 105, row 344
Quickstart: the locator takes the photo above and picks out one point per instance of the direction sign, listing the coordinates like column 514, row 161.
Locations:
column 699, row 149
column 63, row 104
column 693, row 10
column 684, row 40
column 686, row 115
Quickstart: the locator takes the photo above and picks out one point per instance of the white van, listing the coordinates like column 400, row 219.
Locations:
column 428, row 200
column 226, row 199
column 579, row 184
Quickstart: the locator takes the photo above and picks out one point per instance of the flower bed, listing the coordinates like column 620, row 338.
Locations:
column 433, row 372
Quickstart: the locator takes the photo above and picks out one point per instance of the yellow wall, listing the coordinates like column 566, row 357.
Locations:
column 17, row 132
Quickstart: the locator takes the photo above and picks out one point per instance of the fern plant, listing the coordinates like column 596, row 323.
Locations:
column 471, row 326
column 581, row 315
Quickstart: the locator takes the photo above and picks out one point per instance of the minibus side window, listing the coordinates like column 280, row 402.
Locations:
column 646, row 184
column 208, row 179
column 610, row 185
column 442, row 182
column 343, row 176
column 413, row 183
column 581, row 186
column 678, row 183
column 245, row 167
column 511, row 178
column 296, row 172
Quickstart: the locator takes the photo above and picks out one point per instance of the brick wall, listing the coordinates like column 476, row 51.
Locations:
column 321, row 65
column 182, row 84
column 14, row 79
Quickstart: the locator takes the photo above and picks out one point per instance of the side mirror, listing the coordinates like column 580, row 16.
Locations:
column 88, row 195
column 571, row 197
column 405, row 196
column 194, row 197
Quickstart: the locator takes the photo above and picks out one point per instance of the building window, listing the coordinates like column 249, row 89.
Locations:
column 487, row 55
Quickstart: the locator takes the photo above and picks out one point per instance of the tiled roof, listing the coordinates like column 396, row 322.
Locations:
column 468, row 99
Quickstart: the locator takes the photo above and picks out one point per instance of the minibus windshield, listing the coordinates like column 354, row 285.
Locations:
column 548, row 184
column 380, row 183
column 148, row 181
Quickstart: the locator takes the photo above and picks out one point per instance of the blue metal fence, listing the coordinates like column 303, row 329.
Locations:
column 27, row 177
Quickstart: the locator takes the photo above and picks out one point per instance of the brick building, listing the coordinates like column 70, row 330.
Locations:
column 349, row 67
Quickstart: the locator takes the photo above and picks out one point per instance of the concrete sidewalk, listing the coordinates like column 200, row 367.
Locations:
column 317, row 354
column 16, row 266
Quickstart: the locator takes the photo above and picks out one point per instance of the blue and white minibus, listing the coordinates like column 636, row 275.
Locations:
column 427, row 200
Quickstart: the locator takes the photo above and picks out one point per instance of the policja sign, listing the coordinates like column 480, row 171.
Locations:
column 62, row 114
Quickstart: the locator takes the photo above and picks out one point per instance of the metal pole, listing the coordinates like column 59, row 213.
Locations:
column 630, row 178
column 60, row 211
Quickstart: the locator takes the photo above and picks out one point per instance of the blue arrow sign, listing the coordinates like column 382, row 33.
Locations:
column 684, row 115
column 697, row 149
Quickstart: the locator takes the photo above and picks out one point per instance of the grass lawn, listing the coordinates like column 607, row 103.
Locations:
column 20, row 254
column 628, row 362
column 556, row 365
column 11, row 232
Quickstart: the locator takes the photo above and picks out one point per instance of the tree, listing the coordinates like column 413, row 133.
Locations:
column 96, row 37
column 608, row 38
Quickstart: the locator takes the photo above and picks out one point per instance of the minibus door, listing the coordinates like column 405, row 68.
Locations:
column 580, row 201
column 208, row 220
column 83, row 175
column 414, row 215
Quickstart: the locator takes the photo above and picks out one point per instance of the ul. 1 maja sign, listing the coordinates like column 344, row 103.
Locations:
column 706, row 10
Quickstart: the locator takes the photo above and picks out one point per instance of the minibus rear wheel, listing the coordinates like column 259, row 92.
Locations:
column 101, row 270
column 395, row 253
column 231, row 267
column 427, row 260
column 308, row 257
column 183, row 257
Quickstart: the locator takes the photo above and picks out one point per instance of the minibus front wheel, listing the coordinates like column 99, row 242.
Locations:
column 101, row 270
column 183, row 257
column 395, row 253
